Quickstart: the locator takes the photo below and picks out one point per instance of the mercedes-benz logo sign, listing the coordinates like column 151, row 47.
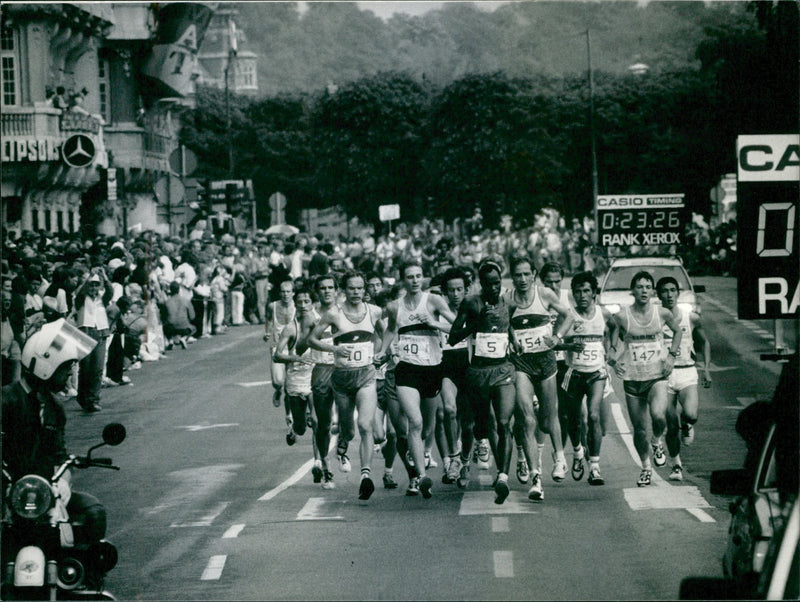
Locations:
column 78, row 150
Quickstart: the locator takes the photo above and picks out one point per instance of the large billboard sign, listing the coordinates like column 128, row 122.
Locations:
column 768, row 253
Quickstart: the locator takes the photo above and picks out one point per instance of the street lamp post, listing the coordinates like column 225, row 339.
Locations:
column 232, row 50
column 595, row 188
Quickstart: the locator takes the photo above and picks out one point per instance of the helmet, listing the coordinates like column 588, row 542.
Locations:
column 55, row 343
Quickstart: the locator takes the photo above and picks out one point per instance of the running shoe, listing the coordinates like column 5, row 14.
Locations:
column 366, row 488
column 327, row 480
column 344, row 463
column 659, row 457
column 183, row 342
column 413, row 487
column 677, row 473
column 644, row 478
column 501, row 491
column 536, row 493
column 291, row 438
column 425, row 486
column 463, row 475
column 595, row 478
column 559, row 470
column 429, row 461
column 483, row 454
column 687, row 433
column 577, row 469
column 388, row 481
column 523, row 472
column 453, row 471
column 316, row 473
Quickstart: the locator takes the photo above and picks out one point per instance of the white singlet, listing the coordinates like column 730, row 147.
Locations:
column 418, row 343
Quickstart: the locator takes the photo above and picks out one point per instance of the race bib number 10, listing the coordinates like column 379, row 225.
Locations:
column 361, row 355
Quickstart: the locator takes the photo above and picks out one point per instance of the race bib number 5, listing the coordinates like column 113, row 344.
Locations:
column 491, row 344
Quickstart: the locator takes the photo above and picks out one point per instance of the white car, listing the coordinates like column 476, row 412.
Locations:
column 615, row 289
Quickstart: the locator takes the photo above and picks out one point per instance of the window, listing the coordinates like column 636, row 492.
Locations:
column 34, row 219
column 60, row 221
column 8, row 67
column 71, row 216
column 104, row 88
column 48, row 220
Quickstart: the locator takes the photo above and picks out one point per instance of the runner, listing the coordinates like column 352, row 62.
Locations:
column 278, row 315
column 321, row 387
column 490, row 377
column 588, row 341
column 355, row 329
column 295, row 354
column 682, row 383
column 535, row 364
column 646, row 366
column 415, row 321
column 455, row 361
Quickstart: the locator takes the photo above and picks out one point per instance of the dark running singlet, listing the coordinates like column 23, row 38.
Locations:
column 490, row 342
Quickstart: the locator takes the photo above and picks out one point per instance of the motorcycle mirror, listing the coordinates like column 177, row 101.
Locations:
column 114, row 433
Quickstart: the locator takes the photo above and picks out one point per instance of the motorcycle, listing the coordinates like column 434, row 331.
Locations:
column 41, row 559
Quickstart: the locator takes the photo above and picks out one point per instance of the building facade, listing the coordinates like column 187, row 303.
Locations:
column 225, row 47
column 90, row 105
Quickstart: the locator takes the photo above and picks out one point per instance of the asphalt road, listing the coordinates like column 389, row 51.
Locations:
column 211, row 504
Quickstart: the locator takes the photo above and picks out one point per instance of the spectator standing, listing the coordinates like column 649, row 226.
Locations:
column 91, row 318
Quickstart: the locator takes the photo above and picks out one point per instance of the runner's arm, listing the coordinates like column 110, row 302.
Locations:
column 699, row 333
column 464, row 324
column 282, row 354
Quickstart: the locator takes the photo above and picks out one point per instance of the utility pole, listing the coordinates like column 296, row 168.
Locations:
column 232, row 50
column 595, row 187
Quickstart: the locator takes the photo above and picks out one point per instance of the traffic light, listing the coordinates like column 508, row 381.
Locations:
column 231, row 191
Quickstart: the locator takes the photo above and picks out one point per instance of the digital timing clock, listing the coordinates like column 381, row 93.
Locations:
column 640, row 219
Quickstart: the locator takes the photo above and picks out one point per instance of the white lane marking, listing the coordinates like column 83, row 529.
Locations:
column 299, row 474
column 661, row 496
column 313, row 510
column 701, row 515
column 503, row 564
column 204, row 427
column 255, row 383
column 500, row 524
column 204, row 520
column 746, row 401
column 712, row 367
column 213, row 570
column 625, row 432
column 232, row 532
column 482, row 502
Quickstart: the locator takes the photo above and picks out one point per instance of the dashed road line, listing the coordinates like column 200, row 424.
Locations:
column 701, row 515
column 213, row 570
column 299, row 474
column 255, row 383
column 503, row 564
column 204, row 520
column 746, row 401
column 233, row 532
column 500, row 524
column 313, row 510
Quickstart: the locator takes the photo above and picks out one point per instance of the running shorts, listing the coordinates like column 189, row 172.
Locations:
column 481, row 379
column 387, row 390
column 349, row 381
column 682, row 377
column 538, row 366
column 425, row 379
column 321, row 385
column 640, row 388
column 454, row 366
column 579, row 384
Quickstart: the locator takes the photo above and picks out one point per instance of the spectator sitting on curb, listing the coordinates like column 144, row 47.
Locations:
column 178, row 317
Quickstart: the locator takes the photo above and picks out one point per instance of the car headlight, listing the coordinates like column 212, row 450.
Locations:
column 31, row 497
column 613, row 308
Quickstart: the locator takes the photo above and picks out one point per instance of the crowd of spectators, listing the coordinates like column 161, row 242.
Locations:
column 160, row 292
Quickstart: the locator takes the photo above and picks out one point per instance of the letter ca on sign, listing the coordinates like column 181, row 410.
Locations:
column 772, row 158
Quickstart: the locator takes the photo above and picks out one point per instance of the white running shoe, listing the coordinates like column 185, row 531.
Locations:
column 659, row 457
column 344, row 463
column 536, row 493
column 483, row 454
column 559, row 470
column 677, row 473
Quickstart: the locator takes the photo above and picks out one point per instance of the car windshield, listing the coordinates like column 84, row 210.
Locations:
column 619, row 278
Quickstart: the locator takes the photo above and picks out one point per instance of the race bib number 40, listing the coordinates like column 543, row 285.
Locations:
column 414, row 349
column 491, row 344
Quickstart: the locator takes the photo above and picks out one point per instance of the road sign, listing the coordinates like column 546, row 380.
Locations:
column 387, row 213
column 169, row 189
column 182, row 161
column 78, row 150
column 768, row 242
column 277, row 201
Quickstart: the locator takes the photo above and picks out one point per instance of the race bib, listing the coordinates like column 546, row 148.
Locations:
column 531, row 340
column 645, row 359
column 590, row 358
column 323, row 357
column 414, row 349
column 491, row 344
column 361, row 355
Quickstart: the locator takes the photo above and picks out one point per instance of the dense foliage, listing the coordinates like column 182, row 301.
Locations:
column 497, row 139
